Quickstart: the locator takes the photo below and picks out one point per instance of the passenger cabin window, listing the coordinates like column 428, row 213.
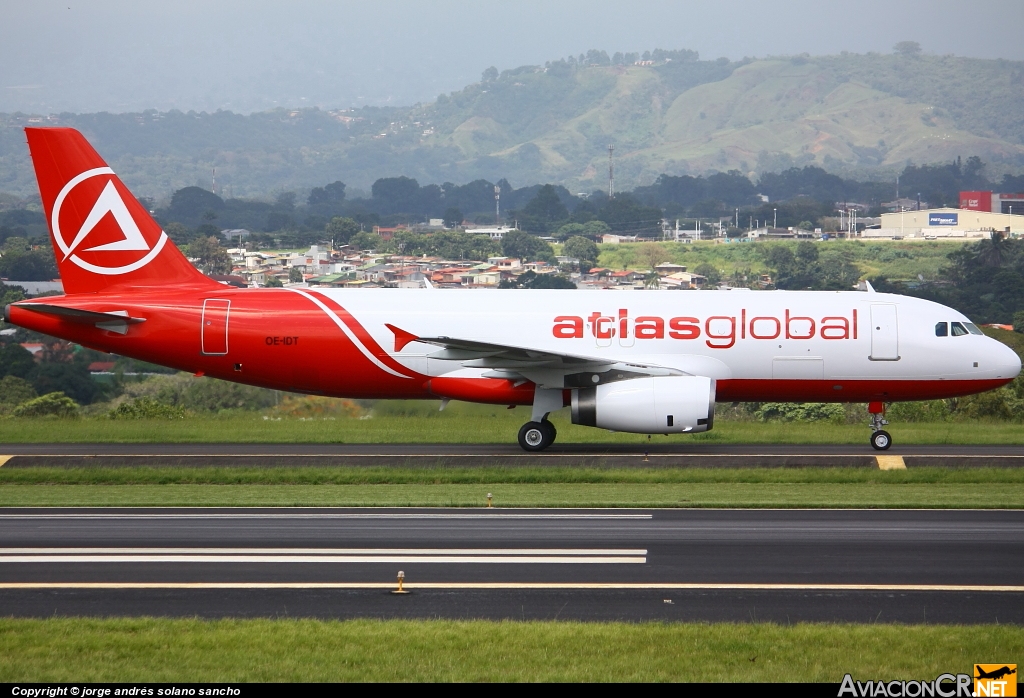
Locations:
column 941, row 329
column 972, row 328
column 958, row 329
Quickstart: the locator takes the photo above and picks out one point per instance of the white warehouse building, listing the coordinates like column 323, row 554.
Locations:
column 945, row 223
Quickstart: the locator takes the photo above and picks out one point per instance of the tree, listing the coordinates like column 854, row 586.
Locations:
column 16, row 360
column 595, row 228
column 907, row 49
column 71, row 378
column 55, row 404
column 582, row 249
column 189, row 204
column 489, row 75
column 179, row 234
column 526, row 247
column 651, row 254
column 544, row 209
column 458, row 245
column 452, row 217
column 569, row 230
column 341, row 230
column 994, row 251
column 331, row 194
column 532, row 279
column 396, row 194
column 27, row 265
column 365, row 241
column 709, row 272
column 295, row 275
column 210, row 257
column 14, row 391
column 273, row 282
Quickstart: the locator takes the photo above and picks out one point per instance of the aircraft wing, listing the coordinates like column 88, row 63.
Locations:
column 548, row 369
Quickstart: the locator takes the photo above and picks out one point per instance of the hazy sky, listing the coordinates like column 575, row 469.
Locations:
column 121, row 55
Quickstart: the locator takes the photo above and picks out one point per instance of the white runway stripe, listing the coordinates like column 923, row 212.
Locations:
column 321, row 556
column 405, row 559
column 318, row 551
column 244, row 515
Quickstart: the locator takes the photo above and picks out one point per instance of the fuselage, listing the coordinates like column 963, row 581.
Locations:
column 758, row 345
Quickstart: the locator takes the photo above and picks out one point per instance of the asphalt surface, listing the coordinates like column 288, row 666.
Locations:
column 507, row 455
column 739, row 565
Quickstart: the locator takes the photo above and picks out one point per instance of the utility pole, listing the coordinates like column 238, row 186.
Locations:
column 611, row 173
column 775, row 220
column 214, row 180
column 737, row 218
column 497, row 205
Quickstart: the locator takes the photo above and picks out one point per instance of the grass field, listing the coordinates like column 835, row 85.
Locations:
column 471, row 424
column 365, row 650
column 562, row 487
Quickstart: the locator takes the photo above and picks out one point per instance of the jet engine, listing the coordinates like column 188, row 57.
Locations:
column 656, row 405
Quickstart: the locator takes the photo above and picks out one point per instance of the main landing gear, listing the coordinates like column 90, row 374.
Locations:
column 880, row 438
column 536, row 436
column 539, row 433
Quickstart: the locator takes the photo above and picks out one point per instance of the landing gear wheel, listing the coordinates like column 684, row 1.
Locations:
column 535, row 436
column 881, row 441
column 550, row 428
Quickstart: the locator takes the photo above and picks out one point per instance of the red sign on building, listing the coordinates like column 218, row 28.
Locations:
column 976, row 200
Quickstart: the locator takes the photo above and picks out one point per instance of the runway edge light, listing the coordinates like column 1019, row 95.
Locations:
column 401, row 580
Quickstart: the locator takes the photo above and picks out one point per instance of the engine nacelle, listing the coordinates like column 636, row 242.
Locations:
column 658, row 405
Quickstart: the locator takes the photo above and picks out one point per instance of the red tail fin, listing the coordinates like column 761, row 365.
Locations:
column 102, row 236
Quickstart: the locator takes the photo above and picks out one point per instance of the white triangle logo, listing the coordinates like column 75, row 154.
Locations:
column 109, row 201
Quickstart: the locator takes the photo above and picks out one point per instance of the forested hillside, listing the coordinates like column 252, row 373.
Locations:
column 864, row 115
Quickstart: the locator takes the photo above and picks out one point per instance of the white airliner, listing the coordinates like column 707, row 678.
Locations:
column 642, row 362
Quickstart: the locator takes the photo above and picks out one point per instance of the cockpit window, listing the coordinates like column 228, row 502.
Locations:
column 941, row 329
column 972, row 328
column 958, row 329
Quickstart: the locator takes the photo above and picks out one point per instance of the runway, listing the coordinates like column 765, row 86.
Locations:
column 504, row 455
column 739, row 565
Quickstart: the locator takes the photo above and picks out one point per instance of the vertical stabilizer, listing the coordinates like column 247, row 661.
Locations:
column 102, row 236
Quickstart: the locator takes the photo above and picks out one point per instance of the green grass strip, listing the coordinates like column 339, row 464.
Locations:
column 641, row 495
column 342, row 475
column 151, row 650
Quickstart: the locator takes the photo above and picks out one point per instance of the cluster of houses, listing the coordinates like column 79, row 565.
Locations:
column 351, row 268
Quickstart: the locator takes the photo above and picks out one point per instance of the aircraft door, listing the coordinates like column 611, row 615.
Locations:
column 214, row 337
column 885, row 345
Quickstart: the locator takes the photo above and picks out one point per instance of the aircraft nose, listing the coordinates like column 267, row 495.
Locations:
column 1005, row 359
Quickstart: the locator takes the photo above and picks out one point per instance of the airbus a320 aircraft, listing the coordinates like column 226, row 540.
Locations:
column 649, row 363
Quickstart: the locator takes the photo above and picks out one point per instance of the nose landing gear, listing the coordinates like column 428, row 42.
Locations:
column 880, row 438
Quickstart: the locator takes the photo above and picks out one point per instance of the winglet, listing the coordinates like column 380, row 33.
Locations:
column 868, row 287
column 401, row 337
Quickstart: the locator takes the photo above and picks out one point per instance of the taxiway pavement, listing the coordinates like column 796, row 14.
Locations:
column 505, row 455
column 739, row 565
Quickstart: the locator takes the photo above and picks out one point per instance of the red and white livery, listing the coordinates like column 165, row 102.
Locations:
column 636, row 362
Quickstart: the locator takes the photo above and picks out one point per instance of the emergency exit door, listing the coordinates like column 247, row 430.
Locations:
column 885, row 341
column 214, row 336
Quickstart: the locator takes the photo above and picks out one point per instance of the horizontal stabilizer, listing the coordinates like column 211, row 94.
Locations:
column 115, row 321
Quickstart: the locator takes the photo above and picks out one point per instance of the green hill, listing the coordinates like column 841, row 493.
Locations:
column 854, row 114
